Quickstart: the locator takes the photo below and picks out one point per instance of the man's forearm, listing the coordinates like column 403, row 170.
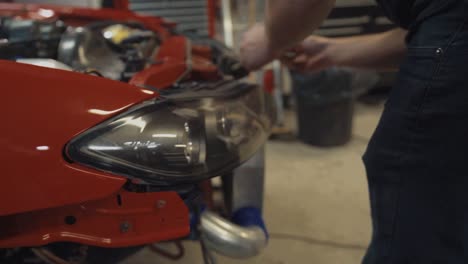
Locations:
column 290, row 21
column 377, row 51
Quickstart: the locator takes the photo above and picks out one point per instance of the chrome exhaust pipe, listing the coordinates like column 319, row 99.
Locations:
column 229, row 239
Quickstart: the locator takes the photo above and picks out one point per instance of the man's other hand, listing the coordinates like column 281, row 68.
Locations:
column 313, row 54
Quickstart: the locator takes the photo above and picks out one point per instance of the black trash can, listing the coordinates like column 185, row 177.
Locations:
column 325, row 107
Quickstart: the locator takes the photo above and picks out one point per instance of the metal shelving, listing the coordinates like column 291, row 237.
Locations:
column 190, row 15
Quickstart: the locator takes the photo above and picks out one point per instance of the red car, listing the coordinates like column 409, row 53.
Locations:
column 112, row 140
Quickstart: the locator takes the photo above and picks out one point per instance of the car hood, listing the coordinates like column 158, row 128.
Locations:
column 42, row 110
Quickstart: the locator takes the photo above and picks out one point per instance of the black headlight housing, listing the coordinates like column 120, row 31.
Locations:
column 206, row 131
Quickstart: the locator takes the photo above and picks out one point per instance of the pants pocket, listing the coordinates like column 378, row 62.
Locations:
column 415, row 75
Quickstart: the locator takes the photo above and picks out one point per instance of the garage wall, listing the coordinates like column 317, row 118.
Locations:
column 354, row 2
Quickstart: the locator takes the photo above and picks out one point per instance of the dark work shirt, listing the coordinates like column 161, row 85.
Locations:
column 410, row 13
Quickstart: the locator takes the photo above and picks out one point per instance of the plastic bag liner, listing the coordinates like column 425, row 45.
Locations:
column 324, row 87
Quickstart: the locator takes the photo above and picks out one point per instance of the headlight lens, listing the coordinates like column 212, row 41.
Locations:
column 178, row 140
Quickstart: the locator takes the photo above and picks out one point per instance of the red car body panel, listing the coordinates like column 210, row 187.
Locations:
column 43, row 110
column 120, row 220
column 175, row 60
column 170, row 65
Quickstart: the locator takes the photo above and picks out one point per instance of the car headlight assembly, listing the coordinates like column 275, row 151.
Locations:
column 180, row 138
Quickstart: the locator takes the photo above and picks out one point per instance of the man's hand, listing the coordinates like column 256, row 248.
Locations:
column 313, row 54
column 376, row 51
column 256, row 51
column 286, row 23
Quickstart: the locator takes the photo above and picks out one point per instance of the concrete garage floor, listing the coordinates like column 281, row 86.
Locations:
column 316, row 204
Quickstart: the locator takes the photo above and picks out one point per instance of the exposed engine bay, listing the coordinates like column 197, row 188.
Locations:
column 114, row 50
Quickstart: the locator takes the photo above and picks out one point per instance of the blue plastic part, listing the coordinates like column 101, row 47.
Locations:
column 249, row 216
